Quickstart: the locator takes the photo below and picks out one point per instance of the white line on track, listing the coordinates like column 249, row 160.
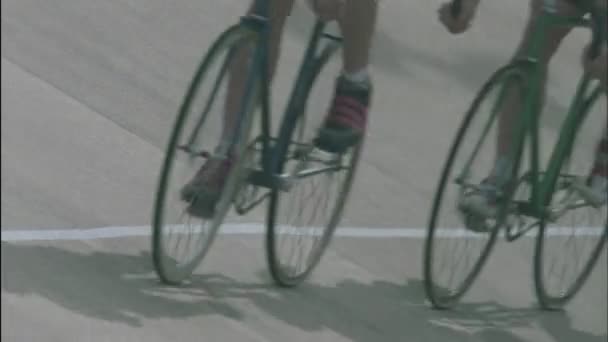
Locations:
column 258, row 229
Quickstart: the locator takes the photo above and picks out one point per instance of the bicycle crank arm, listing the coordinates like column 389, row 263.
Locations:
column 553, row 214
column 193, row 153
column 263, row 179
column 253, row 204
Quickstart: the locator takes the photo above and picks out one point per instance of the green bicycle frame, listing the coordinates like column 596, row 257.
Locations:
column 528, row 123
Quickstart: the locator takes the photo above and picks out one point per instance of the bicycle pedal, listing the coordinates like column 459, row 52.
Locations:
column 302, row 152
column 262, row 179
column 192, row 152
column 332, row 37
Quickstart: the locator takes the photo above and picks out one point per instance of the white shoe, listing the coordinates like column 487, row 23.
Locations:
column 482, row 202
column 593, row 190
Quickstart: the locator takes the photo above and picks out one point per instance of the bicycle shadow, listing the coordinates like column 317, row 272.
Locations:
column 123, row 289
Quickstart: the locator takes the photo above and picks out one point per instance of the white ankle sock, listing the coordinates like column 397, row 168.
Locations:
column 360, row 76
column 598, row 182
column 502, row 168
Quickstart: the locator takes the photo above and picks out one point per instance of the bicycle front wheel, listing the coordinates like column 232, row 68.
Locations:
column 459, row 242
column 181, row 239
column 570, row 241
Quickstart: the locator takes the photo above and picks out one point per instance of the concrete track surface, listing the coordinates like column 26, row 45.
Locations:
column 89, row 94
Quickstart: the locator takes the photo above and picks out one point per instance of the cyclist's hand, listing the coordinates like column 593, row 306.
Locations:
column 465, row 17
column 597, row 67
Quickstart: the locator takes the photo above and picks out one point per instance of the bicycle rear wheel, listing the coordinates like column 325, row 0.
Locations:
column 302, row 218
column 180, row 240
column 452, row 245
column 570, row 243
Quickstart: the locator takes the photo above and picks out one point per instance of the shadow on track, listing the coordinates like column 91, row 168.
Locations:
column 122, row 288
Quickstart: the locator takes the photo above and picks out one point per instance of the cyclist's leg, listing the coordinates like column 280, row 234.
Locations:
column 485, row 200
column 358, row 24
column 595, row 187
column 278, row 12
column 207, row 184
column 553, row 39
column 347, row 117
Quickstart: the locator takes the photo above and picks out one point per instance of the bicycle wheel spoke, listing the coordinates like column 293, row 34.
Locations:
column 212, row 97
column 310, row 202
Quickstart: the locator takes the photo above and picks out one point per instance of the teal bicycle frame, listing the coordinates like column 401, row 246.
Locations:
column 259, row 22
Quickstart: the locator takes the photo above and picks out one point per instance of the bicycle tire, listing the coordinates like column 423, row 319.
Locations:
column 436, row 300
column 168, row 270
column 546, row 300
column 278, row 273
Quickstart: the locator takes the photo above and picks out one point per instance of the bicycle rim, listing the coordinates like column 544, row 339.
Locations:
column 281, row 271
column 594, row 231
column 169, row 268
column 440, row 296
